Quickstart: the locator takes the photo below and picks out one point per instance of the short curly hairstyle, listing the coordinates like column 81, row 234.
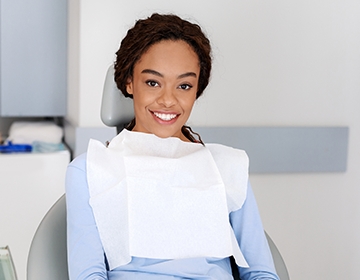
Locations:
column 156, row 28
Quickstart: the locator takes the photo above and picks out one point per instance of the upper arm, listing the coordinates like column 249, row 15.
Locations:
column 250, row 235
column 85, row 253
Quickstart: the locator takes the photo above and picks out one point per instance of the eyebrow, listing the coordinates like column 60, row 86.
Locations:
column 156, row 73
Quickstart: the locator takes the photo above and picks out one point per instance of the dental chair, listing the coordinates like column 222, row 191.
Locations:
column 47, row 259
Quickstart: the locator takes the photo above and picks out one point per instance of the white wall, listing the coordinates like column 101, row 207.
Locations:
column 276, row 63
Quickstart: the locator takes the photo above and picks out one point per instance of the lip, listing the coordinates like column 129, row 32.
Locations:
column 164, row 121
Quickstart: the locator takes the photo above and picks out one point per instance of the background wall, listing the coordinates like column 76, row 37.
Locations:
column 276, row 63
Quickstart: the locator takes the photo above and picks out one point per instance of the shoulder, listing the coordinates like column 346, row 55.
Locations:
column 79, row 162
column 76, row 179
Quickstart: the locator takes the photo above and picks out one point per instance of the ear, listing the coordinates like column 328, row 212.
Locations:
column 129, row 86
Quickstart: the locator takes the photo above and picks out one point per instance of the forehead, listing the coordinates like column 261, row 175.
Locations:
column 170, row 54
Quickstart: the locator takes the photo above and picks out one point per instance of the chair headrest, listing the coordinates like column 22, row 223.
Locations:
column 116, row 109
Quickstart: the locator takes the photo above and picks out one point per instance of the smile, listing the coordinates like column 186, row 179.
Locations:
column 165, row 117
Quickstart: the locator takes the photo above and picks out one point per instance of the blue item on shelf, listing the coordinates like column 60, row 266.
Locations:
column 15, row 148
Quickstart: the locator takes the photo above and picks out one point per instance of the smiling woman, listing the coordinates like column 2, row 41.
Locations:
column 154, row 203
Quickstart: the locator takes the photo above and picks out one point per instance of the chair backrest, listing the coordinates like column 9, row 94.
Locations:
column 48, row 255
column 116, row 109
column 280, row 266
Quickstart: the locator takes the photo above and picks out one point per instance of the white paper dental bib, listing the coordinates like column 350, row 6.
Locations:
column 165, row 198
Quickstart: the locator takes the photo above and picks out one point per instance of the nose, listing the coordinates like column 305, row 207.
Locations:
column 167, row 98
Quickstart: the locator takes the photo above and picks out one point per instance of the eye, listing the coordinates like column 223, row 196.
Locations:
column 152, row 83
column 185, row 86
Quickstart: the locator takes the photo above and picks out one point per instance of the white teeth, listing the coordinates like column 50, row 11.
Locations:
column 165, row 117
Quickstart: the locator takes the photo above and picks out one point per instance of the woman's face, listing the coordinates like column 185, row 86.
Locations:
column 164, row 86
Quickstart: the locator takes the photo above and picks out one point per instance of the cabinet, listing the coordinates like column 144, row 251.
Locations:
column 30, row 184
column 33, row 58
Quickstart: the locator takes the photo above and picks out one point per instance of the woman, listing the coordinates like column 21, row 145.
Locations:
column 157, row 203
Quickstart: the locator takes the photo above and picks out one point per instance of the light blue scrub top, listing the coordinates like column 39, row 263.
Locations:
column 86, row 257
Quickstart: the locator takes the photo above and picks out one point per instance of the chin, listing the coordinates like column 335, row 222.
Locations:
column 163, row 134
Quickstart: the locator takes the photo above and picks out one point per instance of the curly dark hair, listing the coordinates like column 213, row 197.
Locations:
column 156, row 28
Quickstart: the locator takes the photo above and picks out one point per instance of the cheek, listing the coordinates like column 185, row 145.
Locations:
column 142, row 100
column 188, row 103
